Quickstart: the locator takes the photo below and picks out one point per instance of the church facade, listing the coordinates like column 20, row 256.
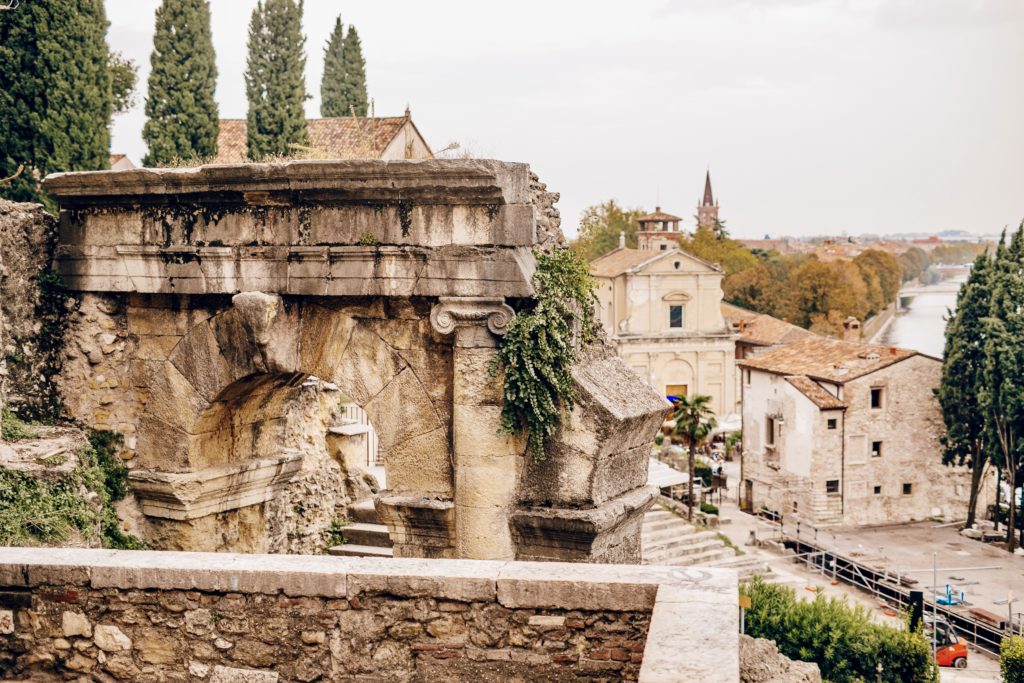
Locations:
column 662, row 310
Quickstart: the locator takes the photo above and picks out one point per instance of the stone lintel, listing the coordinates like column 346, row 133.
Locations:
column 183, row 496
column 592, row 534
column 483, row 180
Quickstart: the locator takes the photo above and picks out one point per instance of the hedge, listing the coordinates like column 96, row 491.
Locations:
column 1011, row 659
column 840, row 638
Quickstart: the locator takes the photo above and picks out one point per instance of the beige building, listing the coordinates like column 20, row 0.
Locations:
column 842, row 433
column 344, row 137
column 661, row 308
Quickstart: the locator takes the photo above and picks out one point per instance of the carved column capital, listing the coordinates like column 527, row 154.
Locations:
column 452, row 312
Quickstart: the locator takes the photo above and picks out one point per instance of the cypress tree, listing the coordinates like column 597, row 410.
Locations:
column 1001, row 394
column 274, row 80
column 181, row 112
column 355, row 75
column 56, row 98
column 332, row 86
column 963, row 369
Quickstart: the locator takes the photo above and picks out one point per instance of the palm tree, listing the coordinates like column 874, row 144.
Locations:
column 695, row 421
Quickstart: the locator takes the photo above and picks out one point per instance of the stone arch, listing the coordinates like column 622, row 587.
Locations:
column 679, row 372
column 217, row 403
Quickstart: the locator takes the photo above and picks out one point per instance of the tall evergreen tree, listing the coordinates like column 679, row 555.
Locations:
column 181, row 112
column 963, row 370
column 355, row 74
column 333, row 101
column 274, row 80
column 56, row 98
column 1002, row 393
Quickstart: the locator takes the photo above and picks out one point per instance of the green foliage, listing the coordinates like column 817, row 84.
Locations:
column 11, row 427
column 1011, row 659
column 711, row 243
column 368, row 239
column 56, row 95
column 541, row 346
column 709, row 509
column 840, row 638
column 34, row 511
column 343, row 86
column 181, row 112
column 600, row 227
column 124, row 74
column 702, row 471
column 274, row 80
column 51, row 313
column 882, row 275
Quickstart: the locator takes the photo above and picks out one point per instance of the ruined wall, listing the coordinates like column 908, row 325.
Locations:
column 30, row 314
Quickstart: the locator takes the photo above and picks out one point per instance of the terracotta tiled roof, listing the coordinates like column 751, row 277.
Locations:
column 827, row 359
column 762, row 329
column 658, row 215
column 617, row 262
column 343, row 137
column 814, row 391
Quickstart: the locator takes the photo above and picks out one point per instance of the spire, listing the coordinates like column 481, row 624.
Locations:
column 709, row 199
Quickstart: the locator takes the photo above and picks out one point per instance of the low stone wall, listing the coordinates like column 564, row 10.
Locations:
column 151, row 616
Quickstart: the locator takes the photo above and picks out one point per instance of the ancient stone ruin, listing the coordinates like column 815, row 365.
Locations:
column 224, row 313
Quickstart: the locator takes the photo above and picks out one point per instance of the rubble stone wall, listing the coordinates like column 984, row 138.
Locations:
column 27, row 240
column 144, row 616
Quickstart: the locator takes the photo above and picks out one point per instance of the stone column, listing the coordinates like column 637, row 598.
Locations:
column 487, row 464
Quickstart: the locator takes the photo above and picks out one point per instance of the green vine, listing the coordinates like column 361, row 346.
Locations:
column 541, row 346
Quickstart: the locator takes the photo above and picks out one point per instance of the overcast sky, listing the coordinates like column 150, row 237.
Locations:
column 814, row 116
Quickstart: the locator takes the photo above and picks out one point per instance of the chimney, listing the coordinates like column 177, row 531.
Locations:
column 622, row 239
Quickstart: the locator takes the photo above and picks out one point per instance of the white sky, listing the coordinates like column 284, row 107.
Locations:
column 815, row 116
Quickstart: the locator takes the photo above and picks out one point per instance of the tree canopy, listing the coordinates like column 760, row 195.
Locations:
column 600, row 226
column 274, row 80
column 343, row 86
column 56, row 92
column 182, row 118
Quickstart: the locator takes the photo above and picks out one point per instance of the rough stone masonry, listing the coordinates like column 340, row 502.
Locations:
column 206, row 296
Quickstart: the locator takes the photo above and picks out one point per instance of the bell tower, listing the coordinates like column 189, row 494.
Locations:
column 707, row 208
column 658, row 231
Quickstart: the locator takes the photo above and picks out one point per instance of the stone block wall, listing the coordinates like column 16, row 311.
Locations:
column 143, row 616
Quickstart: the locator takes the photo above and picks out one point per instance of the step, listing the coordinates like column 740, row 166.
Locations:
column 680, row 541
column 355, row 550
column 361, row 533
column 659, row 524
column 656, row 536
column 661, row 555
column 364, row 511
column 699, row 559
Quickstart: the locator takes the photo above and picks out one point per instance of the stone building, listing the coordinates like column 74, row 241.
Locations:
column 661, row 308
column 707, row 206
column 842, row 433
column 389, row 138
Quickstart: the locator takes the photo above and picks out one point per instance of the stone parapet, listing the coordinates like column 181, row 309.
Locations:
column 123, row 615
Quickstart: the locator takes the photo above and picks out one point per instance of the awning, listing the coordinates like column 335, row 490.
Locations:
column 728, row 424
column 661, row 475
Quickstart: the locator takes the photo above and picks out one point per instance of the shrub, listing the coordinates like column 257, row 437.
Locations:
column 1011, row 659
column 840, row 638
column 702, row 471
column 11, row 428
column 709, row 509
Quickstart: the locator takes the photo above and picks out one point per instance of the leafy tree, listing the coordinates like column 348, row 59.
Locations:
column 882, row 274
column 715, row 246
column 1001, row 394
column 355, row 74
column 600, row 226
column 333, row 101
column 124, row 74
column 182, row 118
column 56, row 96
column 1011, row 659
column 914, row 261
column 695, row 420
column 815, row 289
column 963, row 369
column 274, row 81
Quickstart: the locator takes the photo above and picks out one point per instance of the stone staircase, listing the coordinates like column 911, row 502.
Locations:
column 669, row 540
column 365, row 536
column 826, row 510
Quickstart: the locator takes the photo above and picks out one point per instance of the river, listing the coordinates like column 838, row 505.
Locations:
column 922, row 324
